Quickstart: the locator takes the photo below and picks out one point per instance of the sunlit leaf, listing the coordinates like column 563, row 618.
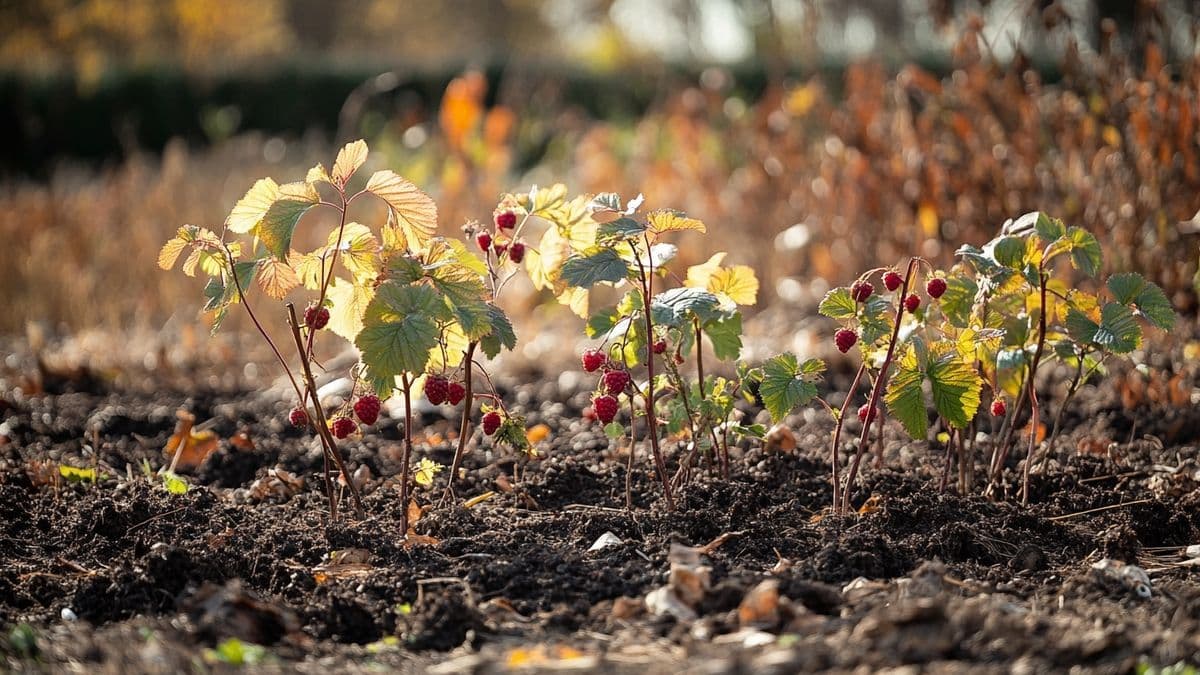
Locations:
column 699, row 275
column 738, row 283
column 399, row 330
column 1117, row 332
column 787, row 384
column 955, row 385
column 838, row 304
column 349, row 159
column 170, row 251
column 358, row 250
column 276, row 278
column 348, row 303
column 585, row 271
column 415, row 213
column 279, row 222
column 253, row 206
column 904, row 396
column 1133, row 289
column 425, row 471
column 668, row 220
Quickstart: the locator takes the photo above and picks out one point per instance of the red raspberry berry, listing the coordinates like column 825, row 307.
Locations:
column 491, row 423
column 936, row 287
column 659, row 347
column 912, row 302
column 861, row 290
column 605, row 408
column 343, row 427
column 516, row 252
column 864, row 411
column 999, row 408
column 455, row 392
column 367, row 408
column 484, row 241
column 298, row 417
column 506, row 220
column 845, row 339
column 316, row 317
column 615, row 381
column 892, row 280
column 593, row 359
column 437, row 389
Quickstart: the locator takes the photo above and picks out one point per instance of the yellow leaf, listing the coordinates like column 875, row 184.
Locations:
column 349, row 159
column 300, row 192
column 537, row 434
column 414, row 211
column 455, row 341
column 737, row 283
column 276, row 277
column 317, row 174
column 251, row 208
column 77, row 475
column 426, row 470
column 170, row 252
column 308, row 267
column 698, row 275
column 576, row 299
column 348, row 304
column 358, row 251
column 668, row 220
column 393, row 236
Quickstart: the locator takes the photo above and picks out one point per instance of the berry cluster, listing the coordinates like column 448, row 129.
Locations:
column 439, row 390
column 614, row 380
column 862, row 290
column 502, row 243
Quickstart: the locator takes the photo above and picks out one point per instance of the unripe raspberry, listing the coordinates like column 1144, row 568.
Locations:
column 864, row 411
column 659, row 346
column 315, row 317
column 298, row 417
column 892, row 280
column 506, row 220
column 845, row 339
column 484, row 241
column 615, row 381
column 912, row 302
column 593, row 359
column 491, row 423
column 936, row 287
column 605, row 408
column 367, row 408
column 999, row 408
column 437, row 389
column 343, row 427
column 861, row 290
column 455, row 392
column 516, row 252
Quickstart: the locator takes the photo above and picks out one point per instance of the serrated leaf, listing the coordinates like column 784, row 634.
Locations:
column 669, row 220
column 415, row 213
column 451, row 349
column 726, row 337
column 1085, row 251
column 425, row 471
column 585, row 271
column 614, row 430
column 279, row 224
column 308, row 267
column 276, row 278
column 838, row 304
column 348, row 303
column 1118, row 332
column 905, row 397
column 349, row 159
column 501, row 335
column 358, row 250
column 677, row 306
column 317, row 174
column 1010, row 252
column 399, row 330
column 252, row 207
column 955, row 385
column 441, row 251
column 737, row 283
column 170, row 251
column 958, row 301
column 786, row 385
column 621, row 228
column 601, row 322
column 1048, row 228
column 1133, row 289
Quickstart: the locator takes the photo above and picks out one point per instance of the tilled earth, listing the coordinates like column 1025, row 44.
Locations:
column 124, row 576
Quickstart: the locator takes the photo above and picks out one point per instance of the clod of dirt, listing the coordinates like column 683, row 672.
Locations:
column 229, row 611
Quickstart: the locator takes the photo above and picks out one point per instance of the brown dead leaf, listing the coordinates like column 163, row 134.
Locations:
column 873, row 504
column 192, row 447
column 760, row 607
column 780, row 439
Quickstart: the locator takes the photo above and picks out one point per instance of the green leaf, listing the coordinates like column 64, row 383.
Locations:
column 1048, row 228
column 1085, row 251
column 279, row 224
column 838, row 304
column 1132, row 289
column 905, row 398
column 676, row 307
column 955, row 385
column 601, row 322
column 501, row 335
column 614, row 430
column 875, row 319
column 959, row 300
column 786, row 384
column 726, row 337
column 1010, row 252
column 1118, row 332
column 585, row 271
column 399, row 330
column 621, row 228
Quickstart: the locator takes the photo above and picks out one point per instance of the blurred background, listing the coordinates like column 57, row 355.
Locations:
column 815, row 138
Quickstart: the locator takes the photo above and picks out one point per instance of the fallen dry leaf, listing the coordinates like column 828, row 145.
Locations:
column 187, row 448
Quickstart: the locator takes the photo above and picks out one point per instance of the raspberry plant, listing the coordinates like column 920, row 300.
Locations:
column 416, row 305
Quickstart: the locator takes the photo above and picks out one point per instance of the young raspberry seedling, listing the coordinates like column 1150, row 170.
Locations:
column 999, row 408
column 455, row 392
column 506, row 220
column 659, row 347
column 912, row 302
column 437, row 389
column 861, row 290
column 484, row 241
column 845, row 339
column 315, row 317
column 593, row 359
column 366, row 408
column 516, row 252
column 936, row 287
column 892, row 280
column 343, row 427
column 615, row 381
column 298, row 417
column 491, row 423
column 605, row 407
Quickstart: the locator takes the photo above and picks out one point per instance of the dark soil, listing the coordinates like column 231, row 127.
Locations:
column 124, row 577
